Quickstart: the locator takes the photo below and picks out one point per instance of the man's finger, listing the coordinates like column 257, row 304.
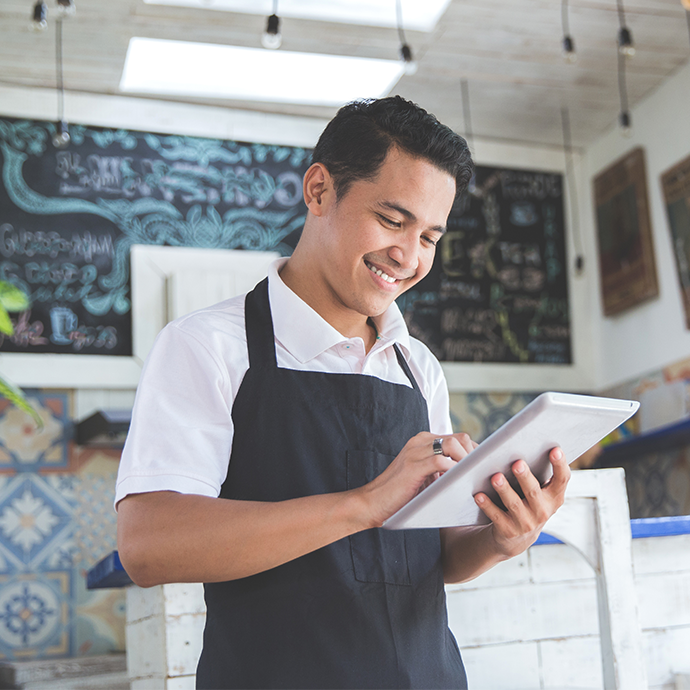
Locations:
column 497, row 516
column 561, row 472
column 531, row 488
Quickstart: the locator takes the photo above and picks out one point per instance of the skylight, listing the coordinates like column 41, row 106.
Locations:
column 418, row 15
column 219, row 71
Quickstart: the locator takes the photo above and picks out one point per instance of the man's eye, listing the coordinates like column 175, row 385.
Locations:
column 390, row 222
column 430, row 241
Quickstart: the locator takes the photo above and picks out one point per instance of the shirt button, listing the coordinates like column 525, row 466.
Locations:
column 346, row 347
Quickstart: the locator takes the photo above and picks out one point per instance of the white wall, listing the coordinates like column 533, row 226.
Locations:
column 652, row 335
column 168, row 117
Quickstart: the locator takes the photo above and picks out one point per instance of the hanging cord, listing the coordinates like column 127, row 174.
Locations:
column 398, row 14
column 621, row 12
column 622, row 86
column 572, row 188
column 466, row 115
column 564, row 18
column 58, row 69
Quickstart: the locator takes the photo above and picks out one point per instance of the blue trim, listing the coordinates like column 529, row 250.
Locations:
column 108, row 573
column 642, row 528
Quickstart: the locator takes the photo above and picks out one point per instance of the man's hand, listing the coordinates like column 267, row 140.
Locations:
column 518, row 526
column 415, row 467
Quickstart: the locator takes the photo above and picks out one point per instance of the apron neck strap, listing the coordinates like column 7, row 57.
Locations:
column 259, row 325
column 261, row 339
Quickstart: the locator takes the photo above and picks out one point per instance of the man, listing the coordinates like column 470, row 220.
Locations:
column 315, row 392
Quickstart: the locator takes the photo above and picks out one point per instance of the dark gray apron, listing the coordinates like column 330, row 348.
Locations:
column 367, row 611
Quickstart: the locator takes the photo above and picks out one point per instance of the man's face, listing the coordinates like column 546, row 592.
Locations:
column 380, row 238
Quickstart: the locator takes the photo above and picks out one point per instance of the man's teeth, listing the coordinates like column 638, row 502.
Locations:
column 380, row 273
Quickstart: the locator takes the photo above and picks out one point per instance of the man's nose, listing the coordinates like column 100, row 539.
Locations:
column 405, row 253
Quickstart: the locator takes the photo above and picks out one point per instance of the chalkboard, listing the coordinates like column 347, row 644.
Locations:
column 498, row 288
column 69, row 217
column 497, row 291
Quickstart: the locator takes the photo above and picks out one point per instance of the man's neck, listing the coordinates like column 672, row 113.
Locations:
column 348, row 323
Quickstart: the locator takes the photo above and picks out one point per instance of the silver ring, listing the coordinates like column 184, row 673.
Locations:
column 438, row 446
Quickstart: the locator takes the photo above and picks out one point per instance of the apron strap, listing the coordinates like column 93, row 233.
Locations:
column 259, row 325
column 406, row 368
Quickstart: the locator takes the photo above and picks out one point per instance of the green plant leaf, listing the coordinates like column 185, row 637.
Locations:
column 16, row 397
column 12, row 298
column 6, row 326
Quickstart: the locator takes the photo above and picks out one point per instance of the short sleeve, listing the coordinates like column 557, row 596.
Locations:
column 181, row 433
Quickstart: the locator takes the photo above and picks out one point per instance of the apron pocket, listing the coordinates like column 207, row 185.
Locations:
column 378, row 555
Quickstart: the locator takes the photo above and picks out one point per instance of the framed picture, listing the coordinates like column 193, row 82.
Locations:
column 626, row 252
column 676, row 185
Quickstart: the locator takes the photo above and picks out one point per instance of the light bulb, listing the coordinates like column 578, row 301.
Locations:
column 569, row 53
column 39, row 16
column 271, row 37
column 625, row 42
column 625, row 122
column 408, row 59
column 61, row 138
column 66, row 8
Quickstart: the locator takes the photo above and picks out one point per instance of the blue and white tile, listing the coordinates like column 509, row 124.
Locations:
column 26, row 448
column 34, row 520
column 35, row 615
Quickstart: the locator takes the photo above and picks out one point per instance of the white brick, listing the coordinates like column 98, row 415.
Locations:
column 145, row 641
column 150, row 683
column 523, row 613
column 181, row 683
column 558, row 563
column 514, row 666
column 572, row 662
column 184, row 636
column 186, row 597
column 661, row 554
column 664, row 600
column 144, row 602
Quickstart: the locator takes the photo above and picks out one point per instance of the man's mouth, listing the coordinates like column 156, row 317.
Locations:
column 380, row 273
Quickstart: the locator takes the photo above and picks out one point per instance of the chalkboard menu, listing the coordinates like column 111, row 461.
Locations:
column 69, row 217
column 497, row 291
column 498, row 288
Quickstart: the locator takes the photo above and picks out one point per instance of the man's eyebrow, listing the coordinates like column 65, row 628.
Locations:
column 408, row 214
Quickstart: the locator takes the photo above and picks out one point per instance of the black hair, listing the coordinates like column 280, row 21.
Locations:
column 357, row 140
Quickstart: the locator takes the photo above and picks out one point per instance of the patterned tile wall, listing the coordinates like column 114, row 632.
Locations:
column 480, row 414
column 658, row 483
column 56, row 521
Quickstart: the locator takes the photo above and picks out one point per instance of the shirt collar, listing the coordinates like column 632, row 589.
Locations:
column 305, row 334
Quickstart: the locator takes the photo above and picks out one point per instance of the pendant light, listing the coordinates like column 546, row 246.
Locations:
column 410, row 64
column 569, row 54
column 625, row 40
column 66, row 8
column 39, row 16
column 271, row 37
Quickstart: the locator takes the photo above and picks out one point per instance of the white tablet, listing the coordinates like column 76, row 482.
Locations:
column 573, row 422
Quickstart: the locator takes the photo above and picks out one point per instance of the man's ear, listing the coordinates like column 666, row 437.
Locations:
column 317, row 188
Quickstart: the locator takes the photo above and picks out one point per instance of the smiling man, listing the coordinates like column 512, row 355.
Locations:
column 274, row 433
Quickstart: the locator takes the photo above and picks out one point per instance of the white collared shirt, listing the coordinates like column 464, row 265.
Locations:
column 181, row 434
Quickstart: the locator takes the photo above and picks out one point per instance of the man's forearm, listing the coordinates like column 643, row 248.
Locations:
column 170, row 537
column 467, row 552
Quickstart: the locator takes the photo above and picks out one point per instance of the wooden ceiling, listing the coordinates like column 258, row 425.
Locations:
column 508, row 51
